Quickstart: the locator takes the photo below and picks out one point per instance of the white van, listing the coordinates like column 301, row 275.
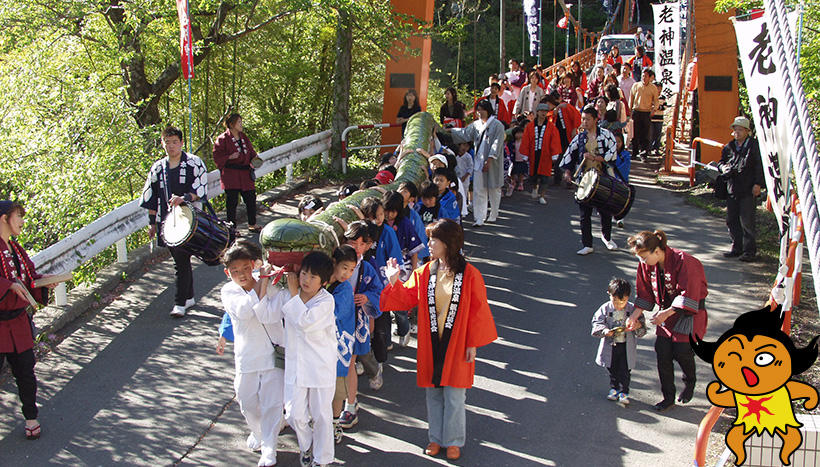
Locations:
column 626, row 43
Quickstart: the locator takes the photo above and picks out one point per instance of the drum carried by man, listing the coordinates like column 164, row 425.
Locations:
column 586, row 163
column 176, row 187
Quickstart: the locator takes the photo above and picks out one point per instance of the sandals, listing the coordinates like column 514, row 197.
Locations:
column 254, row 228
column 33, row 432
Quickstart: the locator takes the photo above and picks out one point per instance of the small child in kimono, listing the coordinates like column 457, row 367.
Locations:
column 255, row 311
column 310, row 359
column 617, row 350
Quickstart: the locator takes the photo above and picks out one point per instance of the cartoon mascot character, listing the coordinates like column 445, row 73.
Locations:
column 755, row 361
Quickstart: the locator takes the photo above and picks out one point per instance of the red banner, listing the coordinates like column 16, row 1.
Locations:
column 186, row 43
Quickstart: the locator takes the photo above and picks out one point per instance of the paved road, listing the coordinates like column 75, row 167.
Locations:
column 130, row 385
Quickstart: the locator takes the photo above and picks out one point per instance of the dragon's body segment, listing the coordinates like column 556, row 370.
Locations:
column 287, row 239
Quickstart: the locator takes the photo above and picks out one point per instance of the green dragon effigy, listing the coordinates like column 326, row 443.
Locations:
column 287, row 240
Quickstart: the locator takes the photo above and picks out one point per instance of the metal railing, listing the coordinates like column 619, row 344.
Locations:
column 347, row 130
column 113, row 227
column 692, row 164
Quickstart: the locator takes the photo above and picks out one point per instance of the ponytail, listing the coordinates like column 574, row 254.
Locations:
column 647, row 241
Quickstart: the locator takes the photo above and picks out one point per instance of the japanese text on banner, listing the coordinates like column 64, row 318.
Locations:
column 667, row 47
column 532, row 13
column 768, row 107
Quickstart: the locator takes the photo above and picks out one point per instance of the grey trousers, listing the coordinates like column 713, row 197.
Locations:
column 446, row 417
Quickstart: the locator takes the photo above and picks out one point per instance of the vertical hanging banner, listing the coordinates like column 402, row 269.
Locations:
column 684, row 20
column 186, row 43
column 532, row 13
column 767, row 102
column 667, row 47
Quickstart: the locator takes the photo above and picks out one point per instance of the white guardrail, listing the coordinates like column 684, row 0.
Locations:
column 113, row 227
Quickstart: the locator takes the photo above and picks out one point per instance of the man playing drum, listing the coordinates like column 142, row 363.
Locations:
column 591, row 149
column 177, row 178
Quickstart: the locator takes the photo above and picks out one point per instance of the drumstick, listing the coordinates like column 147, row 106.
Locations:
column 29, row 298
column 48, row 280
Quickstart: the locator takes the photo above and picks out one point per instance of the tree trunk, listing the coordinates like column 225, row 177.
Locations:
column 341, row 85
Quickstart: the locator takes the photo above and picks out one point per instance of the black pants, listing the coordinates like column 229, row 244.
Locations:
column 232, row 201
column 668, row 352
column 184, row 275
column 619, row 373
column 642, row 125
column 586, row 224
column 22, row 368
column 381, row 337
column 740, row 219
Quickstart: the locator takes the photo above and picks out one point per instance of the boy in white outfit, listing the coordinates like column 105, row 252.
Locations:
column 255, row 309
column 310, row 363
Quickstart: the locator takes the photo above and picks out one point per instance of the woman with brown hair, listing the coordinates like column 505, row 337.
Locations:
column 233, row 153
column 410, row 107
column 17, row 276
column 453, row 320
column 452, row 111
column 675, row 281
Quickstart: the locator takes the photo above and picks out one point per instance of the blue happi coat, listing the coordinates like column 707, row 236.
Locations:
column 226, row 328
column 418, row 225
column 387, row 247
column 449, row 207
column 345, row 313
column 367, row 283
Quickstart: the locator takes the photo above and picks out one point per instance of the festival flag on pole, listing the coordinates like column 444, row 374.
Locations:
column 532, row 12
column 186, row 43
column 767, row 103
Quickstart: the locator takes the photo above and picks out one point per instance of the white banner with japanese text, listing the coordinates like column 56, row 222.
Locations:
column 767, row 103
column 667, row 47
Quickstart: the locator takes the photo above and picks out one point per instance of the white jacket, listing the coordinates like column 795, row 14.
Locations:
column 255, row 324
column 310, row 340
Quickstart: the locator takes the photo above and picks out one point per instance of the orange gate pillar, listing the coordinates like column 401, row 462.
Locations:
column 407, row 72
column 717, row 76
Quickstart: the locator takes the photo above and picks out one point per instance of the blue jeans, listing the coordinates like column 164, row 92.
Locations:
column 446, row 416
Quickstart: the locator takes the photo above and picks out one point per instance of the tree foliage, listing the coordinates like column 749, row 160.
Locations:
column 88, row 85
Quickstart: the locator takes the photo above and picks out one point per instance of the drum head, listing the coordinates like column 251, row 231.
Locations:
column 178, row 225
column 587, row 185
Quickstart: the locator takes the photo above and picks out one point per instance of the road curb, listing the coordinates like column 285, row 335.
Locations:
column 53, row 318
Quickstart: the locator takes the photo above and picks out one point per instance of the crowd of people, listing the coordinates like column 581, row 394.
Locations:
column 300, row 345
column 532, row 129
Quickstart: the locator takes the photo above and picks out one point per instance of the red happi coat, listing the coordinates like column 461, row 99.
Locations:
column 684, row 288
column 15, row 328
column 235, row 174
column 550, row 145
column 572, row 119
column 474, row 325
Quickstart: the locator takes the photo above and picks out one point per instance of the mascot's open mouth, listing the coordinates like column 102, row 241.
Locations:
column 750, row 376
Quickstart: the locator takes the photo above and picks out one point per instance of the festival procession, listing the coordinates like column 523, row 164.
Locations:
column 422, row 270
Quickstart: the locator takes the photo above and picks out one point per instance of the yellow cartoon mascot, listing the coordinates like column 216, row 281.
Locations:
column 755, row 361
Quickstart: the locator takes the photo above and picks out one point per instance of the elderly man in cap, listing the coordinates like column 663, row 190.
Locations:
column 740, row 163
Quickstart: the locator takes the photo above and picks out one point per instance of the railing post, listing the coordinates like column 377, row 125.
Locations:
column 60, row 295
column 289, row 173
column 326, row 157
column 122, row 251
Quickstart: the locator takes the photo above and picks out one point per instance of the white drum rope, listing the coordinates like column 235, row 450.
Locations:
column 804, row 152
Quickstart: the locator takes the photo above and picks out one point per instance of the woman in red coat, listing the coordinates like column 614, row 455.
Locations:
column 17, row 276
column 675, row 281
column 541, row 141
column 454, row 319
column 233, row 153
